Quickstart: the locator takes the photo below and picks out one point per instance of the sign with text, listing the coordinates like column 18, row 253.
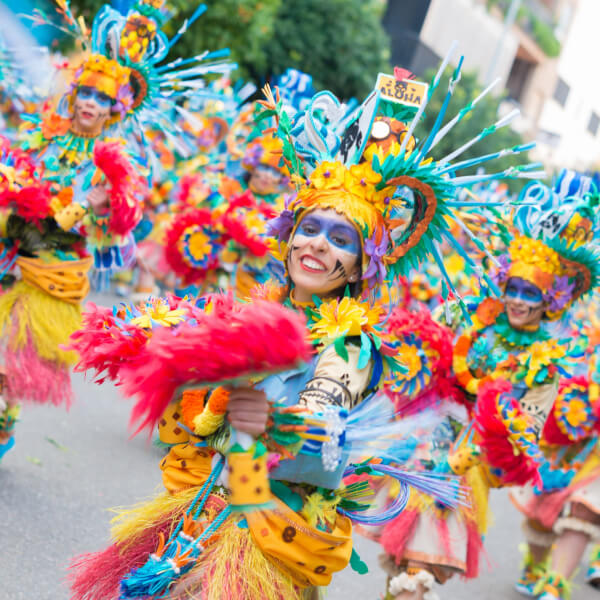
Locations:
column 404, row 91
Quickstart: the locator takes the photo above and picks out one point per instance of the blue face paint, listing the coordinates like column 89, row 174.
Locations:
column 86, row 92
column 519, row 289
column 341, row 235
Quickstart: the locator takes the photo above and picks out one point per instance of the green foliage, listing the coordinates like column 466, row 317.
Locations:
column 541, row 32
column 341, row 43
column 545, row 38
column 243, row 26
column 483, row 115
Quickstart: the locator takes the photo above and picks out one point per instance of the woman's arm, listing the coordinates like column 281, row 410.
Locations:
column 336, row 381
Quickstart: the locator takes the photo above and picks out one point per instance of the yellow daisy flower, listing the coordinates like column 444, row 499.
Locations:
column 408, row 356
column 160, row 313
column 199, row 245
column 348, row 317
column 361, row 180
column 577, row 413
column 540, row 354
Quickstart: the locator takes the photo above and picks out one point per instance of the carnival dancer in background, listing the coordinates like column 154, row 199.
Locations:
column 562, row 510
column 87, row 190
column 507, row 364
column 71, row 186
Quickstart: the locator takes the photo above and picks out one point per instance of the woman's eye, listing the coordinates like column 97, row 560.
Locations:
column 339, row 241
column 309, row 229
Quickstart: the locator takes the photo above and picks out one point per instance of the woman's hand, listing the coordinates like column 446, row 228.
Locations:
column 248, row 410
column 99, row 200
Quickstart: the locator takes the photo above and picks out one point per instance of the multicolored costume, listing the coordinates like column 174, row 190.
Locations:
column 510, row 378
column 570, row 471
column 323, row 412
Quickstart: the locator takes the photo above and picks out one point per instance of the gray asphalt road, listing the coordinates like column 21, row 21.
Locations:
column 68, row 468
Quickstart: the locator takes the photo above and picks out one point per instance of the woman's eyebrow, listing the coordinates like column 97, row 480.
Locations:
column 347, row 229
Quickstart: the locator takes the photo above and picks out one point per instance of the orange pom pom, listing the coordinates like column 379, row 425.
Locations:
column 192, row 404
column 218, row 401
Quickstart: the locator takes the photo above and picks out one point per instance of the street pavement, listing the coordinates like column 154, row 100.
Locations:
column 68, row 468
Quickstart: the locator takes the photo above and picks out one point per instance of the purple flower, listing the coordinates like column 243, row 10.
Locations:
column 375, row 270
column 500, row 274
column 123, row 101
column 560, row 294
column 75, row 81
column 281, row 227
column 252, row 156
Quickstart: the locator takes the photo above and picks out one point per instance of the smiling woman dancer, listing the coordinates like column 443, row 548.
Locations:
column 284, row 553
column 339, row 241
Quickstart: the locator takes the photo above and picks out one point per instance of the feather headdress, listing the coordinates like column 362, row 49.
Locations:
column 555, row 241
column 401, row 202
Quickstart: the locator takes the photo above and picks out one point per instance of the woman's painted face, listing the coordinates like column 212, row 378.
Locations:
column 524, row 303
column 91, row 110
column 264, row 180
column 323, row 254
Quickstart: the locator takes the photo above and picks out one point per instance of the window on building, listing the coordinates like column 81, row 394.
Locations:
column 561, row 92
column 520, row 74
column 594, row 123
column 548, row 138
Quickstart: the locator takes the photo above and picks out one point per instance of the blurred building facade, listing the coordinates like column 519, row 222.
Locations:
column 543, row 60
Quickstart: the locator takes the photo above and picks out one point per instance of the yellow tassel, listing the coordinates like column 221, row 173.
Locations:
column 48, row 321
column 207, row 422
column 130, row 522
column 238, row 569
column 476, row 481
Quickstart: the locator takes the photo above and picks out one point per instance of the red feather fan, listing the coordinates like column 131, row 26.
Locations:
column 31, row 202
column 103, row 345
column 517, row 468
column 107, row 341
column 127, row 187
column 23, row 191
column 233, row 341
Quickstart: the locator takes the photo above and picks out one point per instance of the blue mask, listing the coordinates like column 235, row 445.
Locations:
column 86, row 92
column 519, row 289
column 341, row 235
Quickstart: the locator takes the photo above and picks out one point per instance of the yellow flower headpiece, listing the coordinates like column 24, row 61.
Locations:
column 534, row 261
column 351, row 192
column 108, row 77
column 104, row 74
